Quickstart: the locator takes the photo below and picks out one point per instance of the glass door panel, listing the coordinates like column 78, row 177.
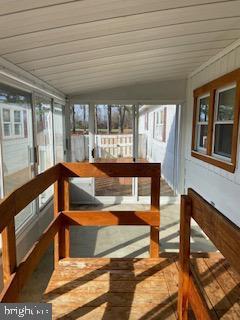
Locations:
column 44, row 139
column 82, row 189
column 113, row 143
column 59, row 132
column 17, row 143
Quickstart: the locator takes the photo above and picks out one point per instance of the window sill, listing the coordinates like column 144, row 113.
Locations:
column 230, row 167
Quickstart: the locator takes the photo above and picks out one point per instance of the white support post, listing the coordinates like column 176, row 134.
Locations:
column 176, row 150
column 135, row 148
column 91, row 133
column 1, row 165
column 92, row 151
column 68, row 131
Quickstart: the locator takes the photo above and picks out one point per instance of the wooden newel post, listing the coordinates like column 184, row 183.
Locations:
column 61, row 203
column 184, row 257
column 155, row 206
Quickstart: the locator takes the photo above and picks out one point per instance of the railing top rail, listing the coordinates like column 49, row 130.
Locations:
column 98, row 170
column 16, row 201
column 22, row 196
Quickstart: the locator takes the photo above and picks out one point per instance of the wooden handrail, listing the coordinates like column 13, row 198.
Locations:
column 222, row 232
column 16, row 201
column 15, row 275
column 22, row 196
column 104, row 170
column 12, row 205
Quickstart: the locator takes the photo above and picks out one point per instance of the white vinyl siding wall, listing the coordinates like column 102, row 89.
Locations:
column 216, row 185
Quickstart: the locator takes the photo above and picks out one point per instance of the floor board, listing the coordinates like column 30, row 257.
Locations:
column 137, row 288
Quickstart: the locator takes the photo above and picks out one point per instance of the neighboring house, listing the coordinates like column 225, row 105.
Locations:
column 16, row 139
column 157, row 129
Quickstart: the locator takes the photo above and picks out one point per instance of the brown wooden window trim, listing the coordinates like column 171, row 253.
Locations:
column 211, row 88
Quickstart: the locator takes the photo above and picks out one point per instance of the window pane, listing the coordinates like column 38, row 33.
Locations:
column 102, row 119
column 115, row 120
column 7, row 129
column 16, row 152
column 226, row 104
column 162, row 116
column 203, row 109
column 157, row 117
column 17, row 116
column 80, row 118
column 223, row 139
column 17, row 129
column 202, row 136
column 6, row 115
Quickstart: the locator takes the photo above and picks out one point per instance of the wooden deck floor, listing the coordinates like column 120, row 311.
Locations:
column 137, row 288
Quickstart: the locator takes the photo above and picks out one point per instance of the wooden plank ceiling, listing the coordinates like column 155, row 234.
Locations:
column 86, row 45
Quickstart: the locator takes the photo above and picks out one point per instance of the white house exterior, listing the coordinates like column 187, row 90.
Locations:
column 16, row 144
column 218, row 186
column 157, row 138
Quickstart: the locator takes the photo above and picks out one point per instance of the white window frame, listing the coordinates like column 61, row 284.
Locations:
column 201, row 123
column 158, row 133
column 146, row 121
column 12, row 124
column 20, row 122
column 6, row 122
column 215, row 121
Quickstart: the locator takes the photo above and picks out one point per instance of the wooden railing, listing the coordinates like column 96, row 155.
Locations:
column 15, row 276
column 225, row 236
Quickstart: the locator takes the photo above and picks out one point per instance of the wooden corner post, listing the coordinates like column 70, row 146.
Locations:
column 61, row 203
column 155, row 206
column 9, row 250
column 184, row 257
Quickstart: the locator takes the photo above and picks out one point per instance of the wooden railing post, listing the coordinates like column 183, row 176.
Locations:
column 184, row 257
column 61, row 203
column 155, row 206
column 9, row 250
